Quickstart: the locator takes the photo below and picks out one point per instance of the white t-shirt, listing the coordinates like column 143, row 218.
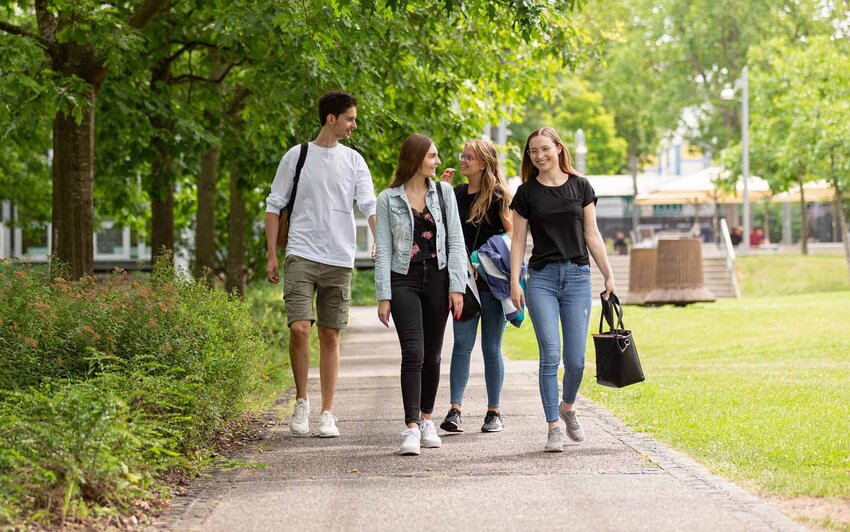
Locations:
column 322, row 226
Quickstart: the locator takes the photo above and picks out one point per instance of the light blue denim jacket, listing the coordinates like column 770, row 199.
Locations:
column 394, row 237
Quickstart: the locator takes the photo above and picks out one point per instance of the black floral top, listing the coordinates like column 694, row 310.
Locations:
column 424, row 237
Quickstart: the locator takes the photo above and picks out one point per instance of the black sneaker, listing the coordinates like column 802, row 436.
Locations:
column 452, row 423
column 492, row 422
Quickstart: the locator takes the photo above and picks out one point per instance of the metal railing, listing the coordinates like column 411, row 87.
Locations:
column 728, row 251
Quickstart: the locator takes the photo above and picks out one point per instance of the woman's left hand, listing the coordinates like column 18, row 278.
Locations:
column 456, row 304
column 609, row 287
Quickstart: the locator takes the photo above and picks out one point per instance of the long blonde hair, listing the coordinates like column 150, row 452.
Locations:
column 493, row 183
column 530, row 171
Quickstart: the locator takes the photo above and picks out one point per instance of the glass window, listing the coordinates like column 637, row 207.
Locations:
column 34, row 241
column 110, row 241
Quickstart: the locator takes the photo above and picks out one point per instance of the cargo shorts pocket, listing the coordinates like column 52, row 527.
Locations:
column 333, row 306
column 298, row 297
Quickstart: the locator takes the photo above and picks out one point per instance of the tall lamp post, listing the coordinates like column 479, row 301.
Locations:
column 728, row 93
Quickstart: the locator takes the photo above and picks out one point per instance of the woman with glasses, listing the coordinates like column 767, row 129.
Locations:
column 420, row 272
column 483, row 205
column 559, row 206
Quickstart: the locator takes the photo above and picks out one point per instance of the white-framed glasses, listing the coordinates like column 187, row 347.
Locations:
column 465, row 157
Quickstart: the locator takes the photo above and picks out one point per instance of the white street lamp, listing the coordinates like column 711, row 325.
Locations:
column 728, row 93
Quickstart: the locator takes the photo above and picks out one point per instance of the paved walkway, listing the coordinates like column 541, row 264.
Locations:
column 614, row 480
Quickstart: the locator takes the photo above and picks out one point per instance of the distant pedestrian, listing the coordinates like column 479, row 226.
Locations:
column 559, row 206
column 420, row 273
column 756, row 236
column 736, row 235
column 620, row 245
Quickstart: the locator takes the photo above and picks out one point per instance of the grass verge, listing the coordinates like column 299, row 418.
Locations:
column 756, row 389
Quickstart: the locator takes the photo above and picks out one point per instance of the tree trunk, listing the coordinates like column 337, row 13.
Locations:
column 73, row 177
column 767, row 221
column 804, row 221
column 205, row 216
column 236, row 234
column 633, row 166
column 842, row 224
column 162, row 201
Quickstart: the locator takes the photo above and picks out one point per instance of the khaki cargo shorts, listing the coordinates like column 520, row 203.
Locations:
column 303, row 278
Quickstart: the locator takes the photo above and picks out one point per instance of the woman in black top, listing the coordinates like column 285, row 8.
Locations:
column 559, row 207
column 483, row 207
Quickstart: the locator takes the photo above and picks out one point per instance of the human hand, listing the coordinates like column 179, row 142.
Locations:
column 448, row 175
column 456, row 304
column 374, row 250
column 609, row 288
column 517, row 296
column 384, row 312
column 272, row 269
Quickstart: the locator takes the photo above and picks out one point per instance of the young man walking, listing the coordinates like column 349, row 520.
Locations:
column 320, row 252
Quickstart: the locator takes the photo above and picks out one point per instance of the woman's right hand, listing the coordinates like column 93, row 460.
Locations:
column 448, row 175
column 517, row 295
column 384, row 312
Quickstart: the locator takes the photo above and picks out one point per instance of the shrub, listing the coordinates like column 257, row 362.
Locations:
column 102, row 384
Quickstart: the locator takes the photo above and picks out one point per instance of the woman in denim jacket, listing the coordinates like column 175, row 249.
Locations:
column 420, row 272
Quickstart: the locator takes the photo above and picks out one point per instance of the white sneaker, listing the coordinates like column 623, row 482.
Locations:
column 430, row 440
column 300, row 422
column 327, row 425
column 410, row 445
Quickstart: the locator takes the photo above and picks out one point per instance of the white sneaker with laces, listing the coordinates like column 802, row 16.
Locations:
column 299, row 425
column 430, row 440
column 327, row 425
column 410, row 444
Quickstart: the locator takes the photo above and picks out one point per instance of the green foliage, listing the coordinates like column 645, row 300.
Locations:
column 574, row 105
column 104, row 385
column 363, row 287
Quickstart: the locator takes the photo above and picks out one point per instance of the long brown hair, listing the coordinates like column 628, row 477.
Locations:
column 493, row 183
column 410, row 158
column 530, row 171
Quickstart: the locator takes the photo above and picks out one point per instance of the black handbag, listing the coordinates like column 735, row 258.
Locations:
column 471, row 299
column 617, row 361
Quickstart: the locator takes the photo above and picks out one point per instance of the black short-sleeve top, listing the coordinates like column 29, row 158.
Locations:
column 491, row 224
column 555, row 216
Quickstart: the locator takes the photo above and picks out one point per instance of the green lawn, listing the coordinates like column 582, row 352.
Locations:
column 756, row 389
column 761, row 275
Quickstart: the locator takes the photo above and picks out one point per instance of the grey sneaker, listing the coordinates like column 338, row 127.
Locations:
column 410, row 444
column 492, row 422
column 300, row 422
column 553, row 441
column 574, row 430
column 430, row 440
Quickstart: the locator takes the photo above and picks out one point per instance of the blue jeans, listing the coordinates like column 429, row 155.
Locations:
column 560, row 290
column 492, row 329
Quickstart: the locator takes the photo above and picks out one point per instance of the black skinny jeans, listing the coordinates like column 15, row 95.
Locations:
column 419, row 308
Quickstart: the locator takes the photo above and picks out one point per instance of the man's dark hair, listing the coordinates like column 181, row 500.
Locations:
column 335, row 103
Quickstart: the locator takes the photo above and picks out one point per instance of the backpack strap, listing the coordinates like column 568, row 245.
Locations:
column 301, row 158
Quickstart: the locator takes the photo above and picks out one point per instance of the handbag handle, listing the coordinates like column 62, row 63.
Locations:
column 609, row 308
